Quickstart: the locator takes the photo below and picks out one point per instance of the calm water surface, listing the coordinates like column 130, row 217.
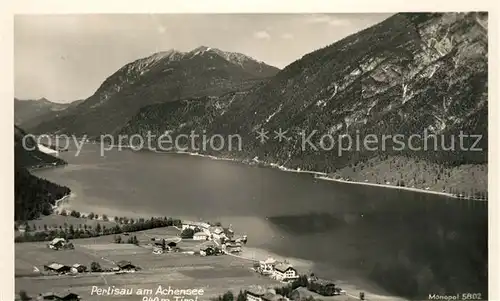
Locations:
column 341, row 227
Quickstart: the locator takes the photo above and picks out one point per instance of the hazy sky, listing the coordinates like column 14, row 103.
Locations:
column 67, row 57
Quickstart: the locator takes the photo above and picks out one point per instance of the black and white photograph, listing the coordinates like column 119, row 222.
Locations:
column 251, row 156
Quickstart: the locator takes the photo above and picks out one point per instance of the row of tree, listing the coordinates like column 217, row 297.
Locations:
column 72, row 233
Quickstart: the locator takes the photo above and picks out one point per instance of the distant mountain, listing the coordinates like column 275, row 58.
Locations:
column 29, row 113
column 405, row 75
column 162, row 77
column 33, row 196
column 25, row 110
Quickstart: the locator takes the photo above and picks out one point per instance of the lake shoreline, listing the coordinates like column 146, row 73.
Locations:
column 318, row 175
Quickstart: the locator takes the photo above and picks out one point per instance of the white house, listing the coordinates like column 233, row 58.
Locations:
column 285, row 272
column 196, row 225
column 201, row 236
column 57, row 243
column 217, row 232
column 267, row 266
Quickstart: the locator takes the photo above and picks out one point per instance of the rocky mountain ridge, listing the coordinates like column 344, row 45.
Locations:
column 409, row 74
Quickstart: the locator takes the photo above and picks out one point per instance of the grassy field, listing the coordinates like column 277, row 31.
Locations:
column 214, row 274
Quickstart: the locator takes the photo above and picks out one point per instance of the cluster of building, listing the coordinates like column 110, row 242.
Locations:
column 285, row 272
column 280, row 271
column 65, row 269
column 160, row 246
column 61, row 269
column 225, row 236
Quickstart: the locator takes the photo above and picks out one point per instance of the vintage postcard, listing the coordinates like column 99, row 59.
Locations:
column 251, row 156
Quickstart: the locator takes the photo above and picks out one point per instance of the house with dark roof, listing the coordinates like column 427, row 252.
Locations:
column 125, row 265
column 255, row 293
column 57, row 268
column 285, row 272
column 269, row 296
column 323, row 287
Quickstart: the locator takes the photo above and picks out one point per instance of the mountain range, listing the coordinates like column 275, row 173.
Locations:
column 411, row 73
column 162, row 77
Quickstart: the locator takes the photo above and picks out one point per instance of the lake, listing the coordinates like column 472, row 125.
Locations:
column 404, row 242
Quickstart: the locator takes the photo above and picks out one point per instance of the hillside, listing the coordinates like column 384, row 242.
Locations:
column 28, row 155
column 161, row 77
column 406, row 75
column 29, row 113
column 33, row 196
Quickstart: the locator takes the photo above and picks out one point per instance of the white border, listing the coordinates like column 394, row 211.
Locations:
column 228, row 6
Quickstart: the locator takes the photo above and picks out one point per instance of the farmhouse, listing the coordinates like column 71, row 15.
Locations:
column 210, row 250
column 78, row 268
column 201, row 236
column 57, row 268
column 285, row 272
column 60, row 243
column 126, row 266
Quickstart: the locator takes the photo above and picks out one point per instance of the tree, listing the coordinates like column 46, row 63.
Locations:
column 133, row 240
column 187, row 233
column 24, row 296
column 105, row 217
column 98, row 228
column 228, row 296
column 91, row 215
column 241, row 296
column 64, row 213
column 95, row 267
column 118, row 239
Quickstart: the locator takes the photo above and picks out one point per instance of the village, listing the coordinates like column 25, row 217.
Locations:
column 158, row 256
